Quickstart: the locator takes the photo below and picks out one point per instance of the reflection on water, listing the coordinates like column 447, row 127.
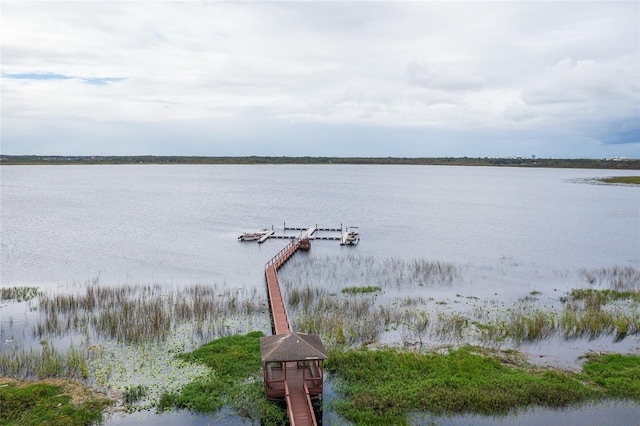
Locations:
column 607, row 413
column 183, row 418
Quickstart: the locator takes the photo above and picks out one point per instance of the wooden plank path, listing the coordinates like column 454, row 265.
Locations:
column 299, row 407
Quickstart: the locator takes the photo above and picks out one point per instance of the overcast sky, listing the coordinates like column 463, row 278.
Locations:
column 345, row 78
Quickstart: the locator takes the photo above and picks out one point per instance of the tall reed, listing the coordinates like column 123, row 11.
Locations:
column 48, row 362
column 136, row 314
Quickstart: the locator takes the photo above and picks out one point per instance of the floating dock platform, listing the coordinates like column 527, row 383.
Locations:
column 303, row 232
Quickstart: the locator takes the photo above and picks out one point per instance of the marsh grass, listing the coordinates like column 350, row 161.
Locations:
column 134, row 393
column 18, row 294
column 362, row 316
column 36, row 404
column 351, row 270
column 621, row 278
column 138, row 314
column 630, row 180
column 594, row 299
column 591, row 313
column 48, row 362
column 341, row 320
column 358, row 317
column 531, row 326
column 382, row 386
column 362, row 289
column 235, row 381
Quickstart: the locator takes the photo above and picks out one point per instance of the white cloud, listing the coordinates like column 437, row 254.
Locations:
column 434, row 67
column 443, row 76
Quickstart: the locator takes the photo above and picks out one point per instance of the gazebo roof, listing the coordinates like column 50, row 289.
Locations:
column 291, row 347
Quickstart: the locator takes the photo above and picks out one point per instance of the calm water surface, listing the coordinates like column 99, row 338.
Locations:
column 511, row 230
column 152, row 223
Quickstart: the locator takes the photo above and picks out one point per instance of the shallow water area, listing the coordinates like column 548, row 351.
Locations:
column 224, row 418
column 606, row 413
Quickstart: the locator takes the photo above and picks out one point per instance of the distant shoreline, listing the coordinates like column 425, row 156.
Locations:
column 614, row 164
column 623, row 164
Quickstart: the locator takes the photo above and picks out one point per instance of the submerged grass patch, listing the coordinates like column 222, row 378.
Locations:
column 596, row 298
column 18, row 294
column 620, row 278
column 362, row 289
column 57, row 403
column 382, row 386
column 48, row 362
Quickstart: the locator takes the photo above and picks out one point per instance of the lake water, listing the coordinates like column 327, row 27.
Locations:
column 179, row 224
column 510, row 230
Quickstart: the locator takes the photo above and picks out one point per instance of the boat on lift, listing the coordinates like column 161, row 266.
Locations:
column 253, row 236
column 350, row 237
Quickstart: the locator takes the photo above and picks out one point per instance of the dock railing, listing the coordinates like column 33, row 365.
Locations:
column 289, row 405
column 312, row 415
column 282, row 252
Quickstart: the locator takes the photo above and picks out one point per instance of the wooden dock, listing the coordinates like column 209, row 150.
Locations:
column 290, row 383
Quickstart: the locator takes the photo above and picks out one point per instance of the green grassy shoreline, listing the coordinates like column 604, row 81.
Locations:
column 629, row 180
column 382, row 386
column 378, row 386
column 52, row 402
column 628, row 164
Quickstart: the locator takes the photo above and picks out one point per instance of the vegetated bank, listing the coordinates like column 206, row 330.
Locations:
column 629, row 180
column 375, row 386
column 235, row 381
column 383, row 386
column 51, row 401
column 583, row 163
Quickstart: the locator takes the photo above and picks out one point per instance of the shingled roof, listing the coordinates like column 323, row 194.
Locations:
column 291, row 347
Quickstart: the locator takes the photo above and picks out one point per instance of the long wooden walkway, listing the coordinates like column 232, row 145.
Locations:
column 299, row 407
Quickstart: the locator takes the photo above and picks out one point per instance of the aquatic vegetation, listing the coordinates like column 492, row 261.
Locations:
column 617, row 374
column 336, row 272
column 341, row 320
column 134, row 393
column 616, row 278
column 590, row 312
column 412, row 320
column 382, row 386
column 362, row 289
column 528, row 326
column 48, row 362
column 138, row 314
column 152, row 366
column 630, row 180
column 18, row 294
column 137, row 331
column 27, row 403
column 304, row 295
column 594, row 299
column 451, row 325
column 235, row 380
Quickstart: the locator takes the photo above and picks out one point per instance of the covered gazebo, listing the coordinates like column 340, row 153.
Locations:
column 291, row 362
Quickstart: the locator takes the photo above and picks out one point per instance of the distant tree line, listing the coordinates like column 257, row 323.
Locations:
column 627, row 164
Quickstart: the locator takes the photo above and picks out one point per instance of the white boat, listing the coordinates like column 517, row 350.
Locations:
column 350, row 236
column 253, row 236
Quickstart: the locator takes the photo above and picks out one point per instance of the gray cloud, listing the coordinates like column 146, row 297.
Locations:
column 535, row 74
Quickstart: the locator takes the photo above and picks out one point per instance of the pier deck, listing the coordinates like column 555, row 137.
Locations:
column 296, row 393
